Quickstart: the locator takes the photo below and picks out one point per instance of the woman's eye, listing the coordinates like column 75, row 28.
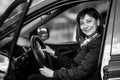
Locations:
column 88, row 21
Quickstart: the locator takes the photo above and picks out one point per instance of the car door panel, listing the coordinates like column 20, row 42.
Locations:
column 112, row 67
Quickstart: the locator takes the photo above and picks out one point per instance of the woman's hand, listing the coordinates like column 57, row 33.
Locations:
column 49, row 50
column 46, row 72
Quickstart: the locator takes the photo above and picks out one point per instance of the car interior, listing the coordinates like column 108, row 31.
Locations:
column 49, row 25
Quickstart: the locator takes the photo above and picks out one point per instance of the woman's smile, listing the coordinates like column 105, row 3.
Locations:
column 87, row 29
column 88, row 25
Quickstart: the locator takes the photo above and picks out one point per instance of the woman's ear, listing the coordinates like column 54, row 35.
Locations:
column 98, row 22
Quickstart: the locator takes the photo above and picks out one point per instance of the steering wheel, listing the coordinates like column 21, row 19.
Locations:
column 41, row 57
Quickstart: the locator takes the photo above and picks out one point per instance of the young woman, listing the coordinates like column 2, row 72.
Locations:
column 84, row 64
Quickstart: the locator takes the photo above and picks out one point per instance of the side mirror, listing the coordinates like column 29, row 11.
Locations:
column 43, row 33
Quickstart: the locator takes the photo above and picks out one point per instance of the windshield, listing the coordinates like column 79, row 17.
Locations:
column 16, row 13
column 8, row 26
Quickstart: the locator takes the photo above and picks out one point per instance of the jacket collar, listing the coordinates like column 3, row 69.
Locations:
column 87, row 40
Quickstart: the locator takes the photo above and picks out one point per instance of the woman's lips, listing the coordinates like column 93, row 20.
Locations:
column 88, row 29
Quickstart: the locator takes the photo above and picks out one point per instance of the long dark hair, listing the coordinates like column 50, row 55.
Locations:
column 93, row 13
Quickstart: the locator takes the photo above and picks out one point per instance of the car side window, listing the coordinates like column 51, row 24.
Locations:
column 63, row 27
column 116, row 32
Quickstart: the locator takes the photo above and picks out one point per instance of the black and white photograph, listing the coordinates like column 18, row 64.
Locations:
column 59, row 39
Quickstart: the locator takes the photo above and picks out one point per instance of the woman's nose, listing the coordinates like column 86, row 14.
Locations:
column 85, row 26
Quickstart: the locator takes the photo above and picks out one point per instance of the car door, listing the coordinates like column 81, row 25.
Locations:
column 111, row 55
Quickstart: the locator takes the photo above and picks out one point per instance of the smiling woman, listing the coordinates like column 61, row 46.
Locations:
column 88, row 25
column 84, row 63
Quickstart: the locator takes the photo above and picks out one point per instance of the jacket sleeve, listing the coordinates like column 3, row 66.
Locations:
column 65, row 61
column 86, row 67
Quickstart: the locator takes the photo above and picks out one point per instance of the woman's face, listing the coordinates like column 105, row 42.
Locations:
column 88, row 25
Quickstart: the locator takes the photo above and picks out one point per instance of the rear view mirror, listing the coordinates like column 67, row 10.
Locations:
column 43, row 33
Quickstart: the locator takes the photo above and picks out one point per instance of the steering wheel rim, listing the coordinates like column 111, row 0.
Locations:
column 40, row 57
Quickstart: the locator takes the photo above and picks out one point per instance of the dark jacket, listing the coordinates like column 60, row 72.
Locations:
column 83, row 65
